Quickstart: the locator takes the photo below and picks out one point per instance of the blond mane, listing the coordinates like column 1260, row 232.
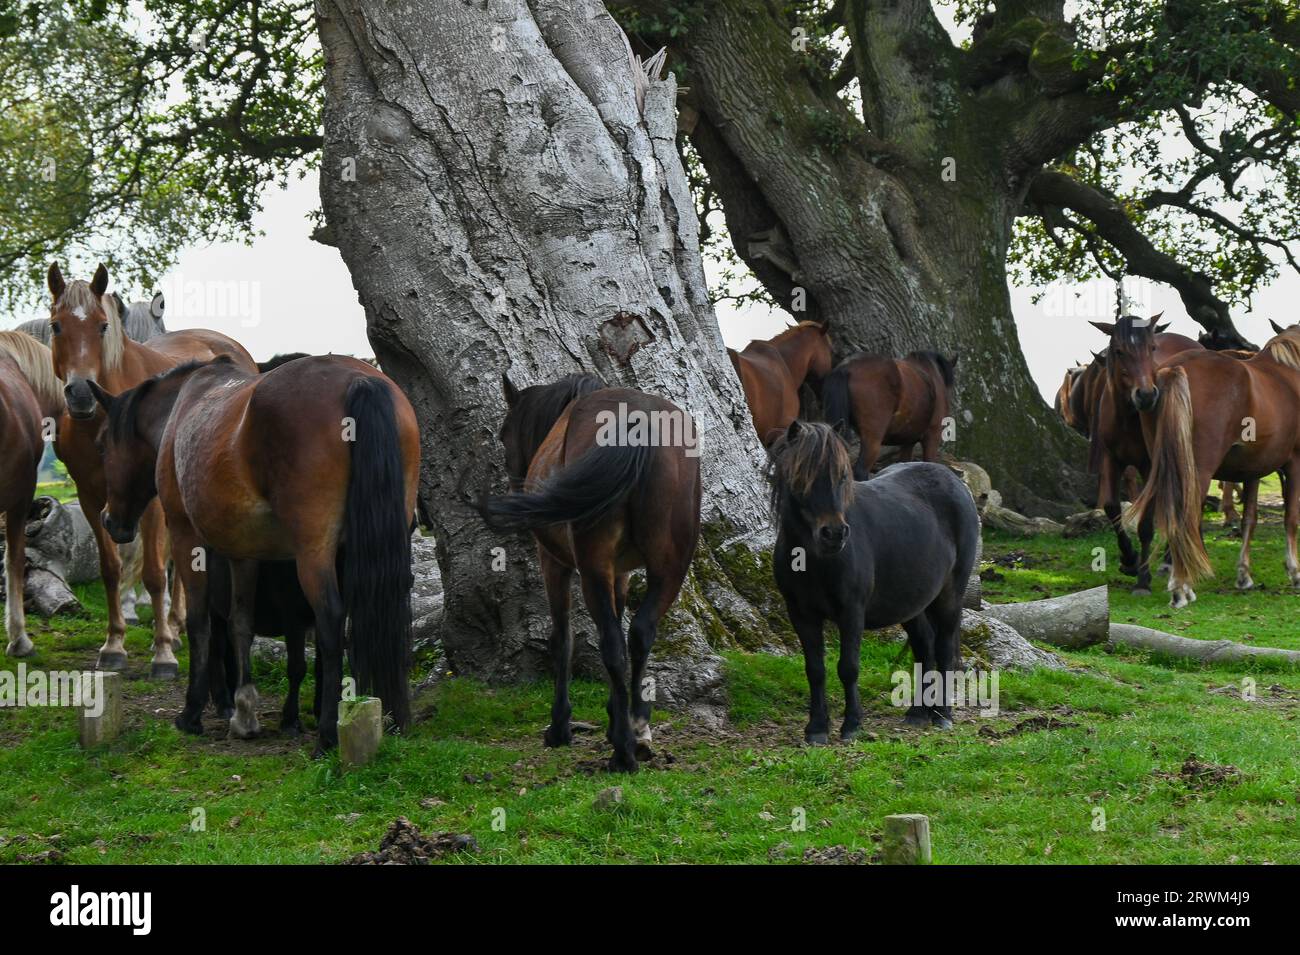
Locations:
column 37, row 366
column 78, row 294
column 1285, row 348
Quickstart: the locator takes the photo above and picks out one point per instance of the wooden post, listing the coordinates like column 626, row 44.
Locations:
column 361, row 729
column 907, row 839
column 101, row 721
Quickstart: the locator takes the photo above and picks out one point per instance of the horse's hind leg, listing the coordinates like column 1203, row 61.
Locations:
column 1250, row 513
column 19, row 644
column 558, row 579
column 295, row 643
column 243, row 591
column 944, row 617
column 199, row 626
column 1291, row 496
column 598, row 591
column 660, row 592
column 154, row 573
column 1146, row 532
column 320, row 586
column 222, row 669
column 920, row 636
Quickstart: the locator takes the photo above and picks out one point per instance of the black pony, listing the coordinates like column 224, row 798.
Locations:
column 867, row 555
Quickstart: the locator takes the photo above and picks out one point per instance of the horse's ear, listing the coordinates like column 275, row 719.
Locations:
column 509, row 390
column 1277, row 329
column 953, row 360
column 1159, row 329
column 1106, row 328
column 103, row 397
column 99, row 284
column 1156, row 317
column 824, row 329
column 156, row 307
column 55, row 281
column 793, row 431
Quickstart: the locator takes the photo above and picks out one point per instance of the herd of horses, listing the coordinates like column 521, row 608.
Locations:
column 1178, row 413
column 284, row 497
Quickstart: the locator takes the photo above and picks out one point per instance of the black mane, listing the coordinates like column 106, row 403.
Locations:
column 540, row 406
column 121, row 414
column 940, row 361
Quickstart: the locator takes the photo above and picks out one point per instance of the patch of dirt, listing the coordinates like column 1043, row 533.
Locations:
column 1043, row 721
column 404, row 844
column 835, row 855
column 1272, row 695
column 1012, row 558
column 1198, row 774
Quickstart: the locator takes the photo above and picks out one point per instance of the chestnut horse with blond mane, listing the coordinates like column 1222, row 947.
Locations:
column 88, row 344
column 30, row 396
column 772, row 372
column 1228, row 418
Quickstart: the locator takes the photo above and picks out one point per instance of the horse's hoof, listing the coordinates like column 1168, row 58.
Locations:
column 940, row 722
column 1128, row 570
column 1245, row 582
column 114, row 661
column 22, row 647
column 848, row 735
column 186, row 725
column 177, row 643
column 557, row 736
column 164, row 671
column 817, row 739
column 1141, row 591
column 914, row 718
column 291, row 727
column 644, row 753
column 621, row 764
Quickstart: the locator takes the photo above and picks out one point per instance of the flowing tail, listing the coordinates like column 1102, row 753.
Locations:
column 1172, row 491
column 836, row 405
column 581, row 493
column 377, row 551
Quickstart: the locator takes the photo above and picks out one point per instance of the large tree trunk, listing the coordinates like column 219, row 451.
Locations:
column 892, row 227
column 514, row 209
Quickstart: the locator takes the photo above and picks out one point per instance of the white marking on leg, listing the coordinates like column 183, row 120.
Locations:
column 19, row 644
column 244, row 724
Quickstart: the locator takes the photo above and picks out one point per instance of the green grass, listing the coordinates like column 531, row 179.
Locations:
column 59, row 490
column 1126, row 726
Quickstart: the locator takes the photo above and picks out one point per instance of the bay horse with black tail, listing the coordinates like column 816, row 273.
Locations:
column 30, row 396
column 1137, row 348
column 314, row 459
column 1224, row 417
column 603, row 503
column 866, row 555
column 891, row 401
column 772, row 372
column 90, row 346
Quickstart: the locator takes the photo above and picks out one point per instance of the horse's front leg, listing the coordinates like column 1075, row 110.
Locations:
column 243, row 591
column 112, row 655
column 850, row 627
column 809, row 628
column 152, row 529
column 19, row 644
column 1250, row 513
column 1108, row 482
column 194, row 577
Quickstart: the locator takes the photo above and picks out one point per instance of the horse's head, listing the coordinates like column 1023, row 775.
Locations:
column 1062, row 402
column 531, row 413
column 85, row 336
column 1130, row 359
column 1284, row 346
column 811, row 475
column 820, row 361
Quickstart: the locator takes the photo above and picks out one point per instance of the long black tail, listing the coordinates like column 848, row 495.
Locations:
column 836, row 405
column 377, row 551
column 582, row 493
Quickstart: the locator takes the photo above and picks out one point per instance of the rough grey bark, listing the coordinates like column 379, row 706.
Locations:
column 513, row 210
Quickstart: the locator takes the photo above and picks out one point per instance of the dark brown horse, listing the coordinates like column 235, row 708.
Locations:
column 604, row 499
column 1136, row 350
column 771, row 372
column 30, row 395
column 315, row 459
column 89, row 345
column 1223, row 417
column 891, row 401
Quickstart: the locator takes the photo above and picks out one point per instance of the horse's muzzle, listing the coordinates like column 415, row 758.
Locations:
column 80, row 399
column 1145, row 400
column 121, row 533
column 831, row 539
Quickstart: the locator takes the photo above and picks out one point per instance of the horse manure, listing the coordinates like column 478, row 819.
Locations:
column 404, row 844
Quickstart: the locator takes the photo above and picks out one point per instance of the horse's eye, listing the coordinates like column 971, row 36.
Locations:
column 103, row 329
column 55, row 328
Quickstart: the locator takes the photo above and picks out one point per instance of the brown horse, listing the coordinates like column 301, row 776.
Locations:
column 771, row 372
column 1223, row 417
column 891, row 401
column 89, row 345
column 316, row 462
column 603, row 500
column 30, row 396
column 1136, row 350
